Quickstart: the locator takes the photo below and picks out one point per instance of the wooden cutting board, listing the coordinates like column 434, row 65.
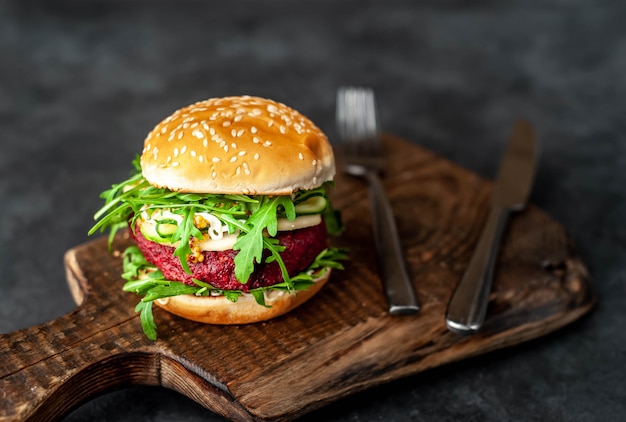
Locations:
column 340, row 342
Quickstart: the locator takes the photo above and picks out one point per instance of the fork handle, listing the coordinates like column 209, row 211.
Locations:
column 398, row 287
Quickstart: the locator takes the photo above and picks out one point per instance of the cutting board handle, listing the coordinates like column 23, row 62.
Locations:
column 55, row 366
column 48, row 369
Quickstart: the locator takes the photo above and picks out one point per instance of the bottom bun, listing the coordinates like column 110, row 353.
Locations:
column 219, row 310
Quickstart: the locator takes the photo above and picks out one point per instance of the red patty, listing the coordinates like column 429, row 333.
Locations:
column 302, row 246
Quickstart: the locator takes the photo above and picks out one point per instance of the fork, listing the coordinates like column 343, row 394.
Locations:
column 358, row 127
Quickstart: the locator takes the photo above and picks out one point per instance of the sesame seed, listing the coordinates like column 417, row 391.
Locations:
column 206, row 126
column 267, row 143
column 198, row 134
column 175, row 152
column 238, row 171
column 257, row 112
column 185, row 125
column 233, row 133
column 216, row 159
column 164, row 129
column 226, row 123
column 214, row 175
column 193, row 153
column 212, row 131
column 314, row 162
column 272, row 108
column 283, row 129
column 256, row 156
column 238, row 118
column 201, row 158
column 234, row 145
column 270, row 123
column 205, row 143
column 242, row 153
column 233, row 158
column 253, row 129
column 225, row 148
column 300, row 156
column 180, row 135
column 175, row 164
column 169, row 158
column 183, row 149
column 240, row 132
column 256, row 140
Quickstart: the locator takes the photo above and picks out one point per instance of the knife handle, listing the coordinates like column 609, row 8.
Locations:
column 468, row 306
column 398, row 287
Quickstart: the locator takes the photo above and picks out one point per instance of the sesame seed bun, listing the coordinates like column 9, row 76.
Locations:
column 220, row 310
column 237, row 145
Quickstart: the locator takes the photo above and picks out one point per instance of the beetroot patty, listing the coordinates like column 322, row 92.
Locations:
column 302, row 246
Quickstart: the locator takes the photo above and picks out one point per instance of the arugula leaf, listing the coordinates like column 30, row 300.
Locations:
column 147, row 319
column 259, row 297
column 173, row 288
column 251, row 242
column 186, row 230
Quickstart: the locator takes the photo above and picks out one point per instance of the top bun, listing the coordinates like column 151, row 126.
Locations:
column 235, row 145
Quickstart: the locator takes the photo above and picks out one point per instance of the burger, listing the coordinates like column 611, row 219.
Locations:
column 228, row 211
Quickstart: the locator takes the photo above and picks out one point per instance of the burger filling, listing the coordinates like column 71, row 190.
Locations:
column 217, row 267
column 218, row 244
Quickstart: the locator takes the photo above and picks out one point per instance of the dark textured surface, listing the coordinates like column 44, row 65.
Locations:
column 81, row 83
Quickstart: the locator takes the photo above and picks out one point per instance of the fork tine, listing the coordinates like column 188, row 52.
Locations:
column 356, row 117
column 371, row 112
column 346, row 113
column 341, row 111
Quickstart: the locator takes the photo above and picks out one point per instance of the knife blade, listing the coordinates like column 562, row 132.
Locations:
column 468, row 305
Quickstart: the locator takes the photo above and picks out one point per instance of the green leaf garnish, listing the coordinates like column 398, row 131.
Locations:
column 147, row 319
column 252, row 240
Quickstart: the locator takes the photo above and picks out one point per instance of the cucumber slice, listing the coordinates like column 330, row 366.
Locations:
column 149, row 232
column 313, row 205
column 166, row 227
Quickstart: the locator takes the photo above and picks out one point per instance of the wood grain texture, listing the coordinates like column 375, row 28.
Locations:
column 340, row 342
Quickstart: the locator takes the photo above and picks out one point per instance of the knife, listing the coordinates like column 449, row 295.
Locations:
column 468, row 305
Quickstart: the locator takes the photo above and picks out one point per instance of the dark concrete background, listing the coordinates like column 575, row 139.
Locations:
column 82, row 82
